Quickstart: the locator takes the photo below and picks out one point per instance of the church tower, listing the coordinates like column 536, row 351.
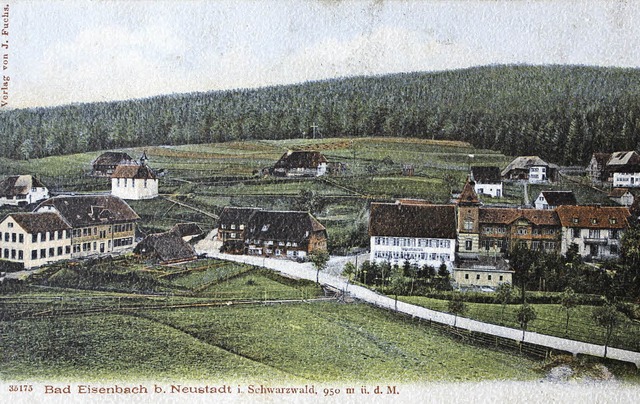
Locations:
column 468, row 220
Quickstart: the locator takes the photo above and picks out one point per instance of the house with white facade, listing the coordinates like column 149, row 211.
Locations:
column 622, row 196
column 548, row 200
column 424, row 234
column 134, row 182
column 624, row 169
column 301, row 163
column 596, row 230
column 529, row 168
column 31, row 240
column 482, row 272
column 19, row 190
column 100, row 224
column 487, row 181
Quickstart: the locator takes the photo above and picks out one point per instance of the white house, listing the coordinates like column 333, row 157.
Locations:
column 552, row 199
column 487, row 181
column 629, row 179
column 622, row 196
column 134, row 182
column 22, row 190
column 35, row 239
column 424, row 234
column 596, row 230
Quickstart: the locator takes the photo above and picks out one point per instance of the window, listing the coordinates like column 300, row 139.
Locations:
column 14, row 237
column 60, row 234
column 145, row 183
column 468, row 245
column 43, row 253
column 594, row 221
column 466, row 276
column 615, row 234
column 576, row 232
column 59, row 250
column 489, row 277
column 478, row 277
column 594, row 233
column 34, row 254
column 67, row 249
column 468, row 224
column 501, row 277
column 522, row 231
column 575, row 220
column 613, row 220
column 52, row 252
column 10, row 224
column 20, row 238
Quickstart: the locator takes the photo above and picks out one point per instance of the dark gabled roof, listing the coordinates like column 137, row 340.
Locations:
column 40, row 222
column 618, row 192
column 486, row 175
column 133, row 171
column 233, row 215
column 523, row 162
column 111, row 159
column 292, row 226
column 468, row 196
column 558, row 198
column 399, row 220
column 18, row 185
column 168, row 247
column 300, row 159
column 186, row 229
column 87, row 210
column 593, row 217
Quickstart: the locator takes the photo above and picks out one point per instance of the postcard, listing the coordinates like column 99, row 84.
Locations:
column 319, row 201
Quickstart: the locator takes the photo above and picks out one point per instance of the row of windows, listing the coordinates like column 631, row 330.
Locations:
column 36, row 254
column 133, row 182
column 271, row 242
column 489, row 277
column 117, row 228
column 546, row 245
column 411, row 256
column 597, row 233
column 232, row 226
column 35, row 237
column 494, row 230
column 412, row 242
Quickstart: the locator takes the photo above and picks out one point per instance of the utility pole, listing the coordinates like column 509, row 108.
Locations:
column 314, row 127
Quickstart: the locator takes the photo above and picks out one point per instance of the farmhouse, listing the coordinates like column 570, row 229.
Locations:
column 134, row 182
column 34, row 239
column 19, row 190
column 105, row 164
column 553, row 199
column 424, row 234
column 624, row 168
column 596, row 230
column 100, row 224
column 166, row 248
column 301, row 164
column 487, row 181
column 621, row 196
column 621, row 169
column 529, row 168
column 232, row 225
column 290, row 234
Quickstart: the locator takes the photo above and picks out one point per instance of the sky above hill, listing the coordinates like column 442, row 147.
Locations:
column 65, row 52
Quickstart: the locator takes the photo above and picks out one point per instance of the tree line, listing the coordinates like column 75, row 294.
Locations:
column 562, row 113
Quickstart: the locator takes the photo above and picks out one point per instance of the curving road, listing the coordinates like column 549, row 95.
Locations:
column 332, row 279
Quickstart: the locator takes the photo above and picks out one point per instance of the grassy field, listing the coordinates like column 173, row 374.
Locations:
column 551, row 320
column 300, row 342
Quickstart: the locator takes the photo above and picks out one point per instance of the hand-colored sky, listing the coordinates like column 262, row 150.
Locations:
column 77, row 51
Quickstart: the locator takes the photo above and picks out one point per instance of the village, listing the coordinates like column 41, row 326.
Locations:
column 310, row 214
column 468, row 237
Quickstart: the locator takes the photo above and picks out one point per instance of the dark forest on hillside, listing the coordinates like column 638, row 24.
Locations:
column 561, row 113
